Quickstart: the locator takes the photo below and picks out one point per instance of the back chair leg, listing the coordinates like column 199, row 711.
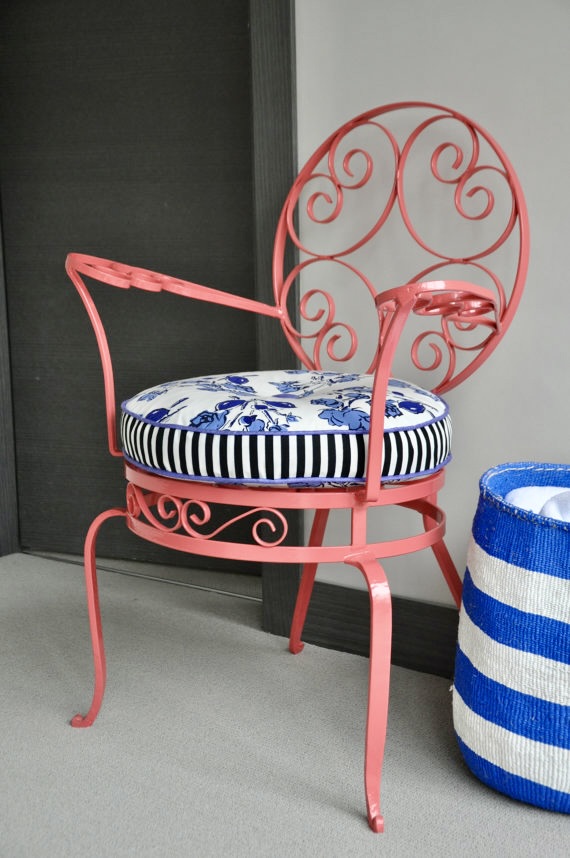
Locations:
column 445, row 561
column 449, row 571
column 306, row 584
column 95, row 619
column 378, row 682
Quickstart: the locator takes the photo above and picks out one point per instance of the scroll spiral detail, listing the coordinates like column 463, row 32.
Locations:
column 471, row 177
column 168, row 513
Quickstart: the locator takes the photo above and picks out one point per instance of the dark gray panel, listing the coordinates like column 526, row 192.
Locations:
column 274, row 152
column 126, row 133
column 9, row 541
column 274, row 136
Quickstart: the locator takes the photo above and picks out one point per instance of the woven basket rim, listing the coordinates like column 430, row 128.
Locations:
column 499, row 480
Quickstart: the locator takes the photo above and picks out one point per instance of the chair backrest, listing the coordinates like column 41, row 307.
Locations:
column 406, row 192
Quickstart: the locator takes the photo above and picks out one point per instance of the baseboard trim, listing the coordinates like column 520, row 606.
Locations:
column 424, row 635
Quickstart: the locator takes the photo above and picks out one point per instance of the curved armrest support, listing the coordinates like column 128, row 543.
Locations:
column 123, row 276
column 455, row 302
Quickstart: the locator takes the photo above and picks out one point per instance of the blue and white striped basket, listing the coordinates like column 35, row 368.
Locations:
column 511, row 696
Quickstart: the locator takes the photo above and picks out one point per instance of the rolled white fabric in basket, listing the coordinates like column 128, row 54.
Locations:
column 552, row 501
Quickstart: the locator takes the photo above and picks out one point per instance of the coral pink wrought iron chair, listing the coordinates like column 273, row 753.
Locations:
column 410, row 215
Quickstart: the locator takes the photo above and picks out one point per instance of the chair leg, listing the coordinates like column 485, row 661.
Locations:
column 306, row 583
column 449, row 571
column 445, row 562
column 378, row 682
column 95, row 619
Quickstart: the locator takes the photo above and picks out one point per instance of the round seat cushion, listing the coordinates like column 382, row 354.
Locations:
column 291, row 427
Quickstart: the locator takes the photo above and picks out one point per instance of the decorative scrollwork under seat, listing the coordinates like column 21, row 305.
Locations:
column 293, row 427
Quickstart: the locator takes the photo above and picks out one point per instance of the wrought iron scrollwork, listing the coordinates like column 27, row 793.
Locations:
column 333, row 182
column 469, row 179
column 444, row 149
column 167, row 513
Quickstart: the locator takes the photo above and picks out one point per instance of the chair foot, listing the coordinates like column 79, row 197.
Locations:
column 376, row 823
column 296, row 646
column 82, row 720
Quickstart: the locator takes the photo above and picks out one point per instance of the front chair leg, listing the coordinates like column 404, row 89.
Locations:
column 95, row 619
column 306, row 584
column 378, row 681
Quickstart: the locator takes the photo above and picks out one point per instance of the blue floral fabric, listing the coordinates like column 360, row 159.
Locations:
column 287, row 401
column 178, row 421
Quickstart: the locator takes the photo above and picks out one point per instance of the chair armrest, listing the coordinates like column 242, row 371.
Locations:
column 127, row 276
column 123, row 276
column 456, row 302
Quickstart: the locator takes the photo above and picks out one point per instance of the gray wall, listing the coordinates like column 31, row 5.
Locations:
column 506, row 65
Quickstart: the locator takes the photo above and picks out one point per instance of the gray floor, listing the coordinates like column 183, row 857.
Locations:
column 213, row 740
